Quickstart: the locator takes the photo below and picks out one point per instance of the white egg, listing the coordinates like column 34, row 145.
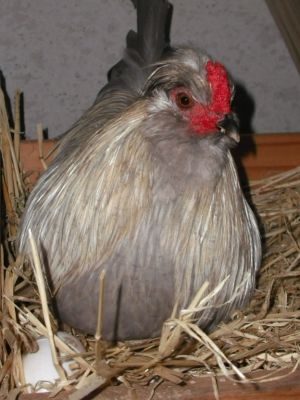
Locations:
column 39, row 366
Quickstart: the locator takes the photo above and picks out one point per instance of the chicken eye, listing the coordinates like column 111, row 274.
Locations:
column 184, row 100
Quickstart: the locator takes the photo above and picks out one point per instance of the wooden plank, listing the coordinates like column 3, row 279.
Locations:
column 29, row 156
column 271, row 150
column 200, row 388
column 261, row 154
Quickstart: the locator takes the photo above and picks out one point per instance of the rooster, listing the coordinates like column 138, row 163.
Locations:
column 144, row 186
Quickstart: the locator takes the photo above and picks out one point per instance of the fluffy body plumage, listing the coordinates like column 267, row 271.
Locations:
column 135, row 190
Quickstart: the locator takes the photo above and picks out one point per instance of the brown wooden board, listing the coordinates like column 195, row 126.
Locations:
column 265, row 154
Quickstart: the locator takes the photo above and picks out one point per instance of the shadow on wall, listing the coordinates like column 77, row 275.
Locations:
column 9, row 105
column 6, row 99
column 243, row 104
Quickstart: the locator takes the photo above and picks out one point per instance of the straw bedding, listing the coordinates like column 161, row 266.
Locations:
column 265, row 336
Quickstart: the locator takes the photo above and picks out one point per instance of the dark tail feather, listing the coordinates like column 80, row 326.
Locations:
column 145, row 46
column 153, row 24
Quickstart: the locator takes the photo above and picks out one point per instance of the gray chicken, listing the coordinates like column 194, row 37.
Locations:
column 145, row 187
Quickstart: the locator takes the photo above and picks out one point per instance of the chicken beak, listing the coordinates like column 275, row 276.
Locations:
column 229, row 126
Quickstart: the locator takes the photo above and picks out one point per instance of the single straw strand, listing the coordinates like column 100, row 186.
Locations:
column 41, row 286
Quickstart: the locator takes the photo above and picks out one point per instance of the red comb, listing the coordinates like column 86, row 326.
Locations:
column 217, row 76
column 204, row 118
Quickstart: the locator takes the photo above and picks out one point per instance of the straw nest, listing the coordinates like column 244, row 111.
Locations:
column 265, row 336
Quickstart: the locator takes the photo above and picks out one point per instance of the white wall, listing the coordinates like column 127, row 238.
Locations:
column 58, row 52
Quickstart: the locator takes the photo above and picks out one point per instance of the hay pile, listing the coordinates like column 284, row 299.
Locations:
column 265, row 336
